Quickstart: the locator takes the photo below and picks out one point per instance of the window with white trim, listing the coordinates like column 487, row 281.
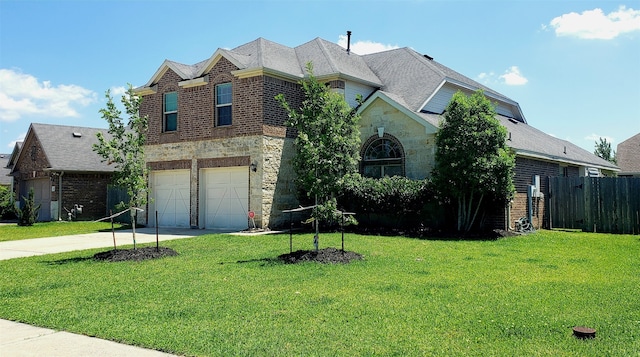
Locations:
column 223, row 104
column 170, row 111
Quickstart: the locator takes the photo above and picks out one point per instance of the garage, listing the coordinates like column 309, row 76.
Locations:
column 225, row 198
column 170, row 196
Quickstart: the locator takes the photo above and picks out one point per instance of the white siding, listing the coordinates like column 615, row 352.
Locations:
column 352, row 89
column 439, row 102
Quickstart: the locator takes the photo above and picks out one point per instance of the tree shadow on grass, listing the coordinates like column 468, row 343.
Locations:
column 68, row 261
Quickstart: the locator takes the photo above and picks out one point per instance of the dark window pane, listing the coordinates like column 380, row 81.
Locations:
column 393, row 170
column 171, row 122
column 224, row 115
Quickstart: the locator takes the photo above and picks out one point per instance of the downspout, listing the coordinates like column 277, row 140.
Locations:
column 60, row 195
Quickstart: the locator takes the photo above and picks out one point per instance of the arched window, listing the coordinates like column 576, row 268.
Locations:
column 383, row 157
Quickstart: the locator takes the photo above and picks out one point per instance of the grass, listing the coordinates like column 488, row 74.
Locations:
column 228, row 295
column 52, row 229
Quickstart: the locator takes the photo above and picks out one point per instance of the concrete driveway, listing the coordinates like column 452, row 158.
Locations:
column 40, row 246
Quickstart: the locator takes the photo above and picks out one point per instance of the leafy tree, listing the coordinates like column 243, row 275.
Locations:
column 603, row 150
column 474, row 166
column 125, row 149
column 28, row 214
column 7, row 208
column 327, row 144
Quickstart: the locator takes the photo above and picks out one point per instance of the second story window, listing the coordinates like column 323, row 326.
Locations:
column 223, row 104
column 171, row 111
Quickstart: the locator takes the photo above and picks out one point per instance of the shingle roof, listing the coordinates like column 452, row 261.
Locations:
column 403, row 75
column 529, row 141
column 4, row 170
column 628, row 155
column 414, row 77
column 68, row 152
column 262, row 53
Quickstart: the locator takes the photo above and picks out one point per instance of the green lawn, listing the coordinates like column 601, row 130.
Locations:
column 227, row 295
column 51, row 229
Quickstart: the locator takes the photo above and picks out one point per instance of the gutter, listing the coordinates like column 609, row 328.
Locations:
column 60, row 195
column 554, row 158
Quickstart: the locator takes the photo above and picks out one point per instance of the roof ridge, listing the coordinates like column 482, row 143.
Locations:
column 325, row 52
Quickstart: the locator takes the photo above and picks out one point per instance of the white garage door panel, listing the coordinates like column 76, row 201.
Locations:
column 226, row 200
column 171, row 192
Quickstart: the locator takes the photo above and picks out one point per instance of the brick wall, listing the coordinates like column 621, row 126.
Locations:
column 274, row 115
column 524, row 172
column 255, row 110
column 88, row 190
column 32, row 160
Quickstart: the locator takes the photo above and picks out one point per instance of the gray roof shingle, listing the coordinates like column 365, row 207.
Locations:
column 5, row 180
column 403, row 75
column 530, row 141
column 68, row 152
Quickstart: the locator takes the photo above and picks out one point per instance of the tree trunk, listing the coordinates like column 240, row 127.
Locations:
column 133, row 226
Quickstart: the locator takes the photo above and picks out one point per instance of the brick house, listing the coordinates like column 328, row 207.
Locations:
column 217, row 147
column 628, row 156
column 58, row 162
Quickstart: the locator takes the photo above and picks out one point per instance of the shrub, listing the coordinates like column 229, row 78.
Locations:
column 390, row 201
column 6, row 203
column 28, row 214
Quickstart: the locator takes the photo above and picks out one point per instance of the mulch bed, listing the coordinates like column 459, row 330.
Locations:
column 120, row 255
column 324, row 256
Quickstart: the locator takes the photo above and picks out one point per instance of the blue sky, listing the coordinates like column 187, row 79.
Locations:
column 574, row 66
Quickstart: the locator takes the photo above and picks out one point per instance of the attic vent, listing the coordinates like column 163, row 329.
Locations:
column 428, row 57
column 514, row 121
column 77, row 134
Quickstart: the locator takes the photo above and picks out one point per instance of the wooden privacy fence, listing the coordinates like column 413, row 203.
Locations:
column 115, row 195
column 595, row 204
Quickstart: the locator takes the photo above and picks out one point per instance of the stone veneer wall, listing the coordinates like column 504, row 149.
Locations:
column 278, row 190
column 419, row 146
column 271, row 187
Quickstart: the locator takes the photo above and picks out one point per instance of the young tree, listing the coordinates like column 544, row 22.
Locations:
column 603, row 150
column 327, row 144
column 28, row 214
column 474, row 166
column 125, row 149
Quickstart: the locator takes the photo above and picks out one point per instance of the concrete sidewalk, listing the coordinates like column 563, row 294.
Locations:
column 17, row 339
column 20, row 340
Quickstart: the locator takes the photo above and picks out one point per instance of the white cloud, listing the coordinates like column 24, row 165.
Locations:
column 513, row 77
column 23, row 94
column 486, row 78
column 365, row 47
column 117, row 92
column 596, row 138
column 595, row 24
column 20, row 137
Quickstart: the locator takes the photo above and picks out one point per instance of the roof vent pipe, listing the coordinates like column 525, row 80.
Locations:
column 348, row 42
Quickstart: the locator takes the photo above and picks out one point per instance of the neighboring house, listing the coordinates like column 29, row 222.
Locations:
column 59, row 164
column 218, row 148
column 5, row 179
column 628, row 156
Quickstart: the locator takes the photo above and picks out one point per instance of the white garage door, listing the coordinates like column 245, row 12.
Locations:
column 170, row 192
column 225, row 194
